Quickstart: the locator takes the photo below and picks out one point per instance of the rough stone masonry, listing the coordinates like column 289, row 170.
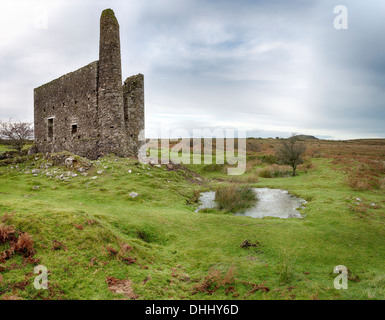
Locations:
column 89, row 112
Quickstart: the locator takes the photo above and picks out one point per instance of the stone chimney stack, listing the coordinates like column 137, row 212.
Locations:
column 110, row 93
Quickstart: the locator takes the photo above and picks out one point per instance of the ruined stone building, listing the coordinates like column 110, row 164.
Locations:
column 89, row 112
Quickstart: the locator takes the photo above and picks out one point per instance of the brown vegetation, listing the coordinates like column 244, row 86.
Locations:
column 19, row 242
column 214, row 280
column 121, row 287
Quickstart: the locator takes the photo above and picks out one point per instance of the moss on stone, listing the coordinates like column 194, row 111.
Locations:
column 108, row 13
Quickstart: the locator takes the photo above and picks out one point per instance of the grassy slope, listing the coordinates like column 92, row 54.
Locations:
column 176, row 247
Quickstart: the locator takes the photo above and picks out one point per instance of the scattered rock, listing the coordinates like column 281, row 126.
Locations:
column 133, row 194
column 170, row 166
column 35, row 187
column 94, row 177
column 153, row 161
column 69, row 162
column 35, row 171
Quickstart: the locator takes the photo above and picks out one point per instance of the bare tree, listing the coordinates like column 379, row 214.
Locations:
column 16, row 133
column 290, row 152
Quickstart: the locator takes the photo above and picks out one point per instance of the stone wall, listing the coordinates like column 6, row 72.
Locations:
column 69, row 106
column 88, row 112
column 133, row 101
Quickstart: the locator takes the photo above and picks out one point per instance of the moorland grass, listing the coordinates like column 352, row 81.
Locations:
column 235, row 198
column 179, row 252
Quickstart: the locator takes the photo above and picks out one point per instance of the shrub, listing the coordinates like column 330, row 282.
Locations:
column 234, row 199
column 274, row 171
column 194, row 198
column 264, row 173
column 286, row 268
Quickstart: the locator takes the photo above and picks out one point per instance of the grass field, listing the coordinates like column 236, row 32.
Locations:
column 99, row 241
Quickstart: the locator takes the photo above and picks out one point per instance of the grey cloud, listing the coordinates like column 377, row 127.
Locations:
column 262, row 65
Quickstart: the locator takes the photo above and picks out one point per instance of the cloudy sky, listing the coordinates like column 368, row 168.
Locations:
column 271, row 67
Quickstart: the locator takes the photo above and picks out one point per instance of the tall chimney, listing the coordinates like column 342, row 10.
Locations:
column 110, row 92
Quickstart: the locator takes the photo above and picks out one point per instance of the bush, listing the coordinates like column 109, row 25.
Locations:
column 264, row 173
column 234, row 199
column 274, row 171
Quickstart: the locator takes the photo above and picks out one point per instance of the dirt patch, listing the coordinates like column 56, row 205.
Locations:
column 121, row 287
column 11, row 297
column 188, row 174
column 246, row 244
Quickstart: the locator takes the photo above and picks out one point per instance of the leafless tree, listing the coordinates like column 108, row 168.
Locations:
column 290, row 152
column 16, row 133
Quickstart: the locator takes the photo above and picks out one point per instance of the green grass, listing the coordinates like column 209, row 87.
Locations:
column 234, row 198
column 3, row 148
column 176, row 248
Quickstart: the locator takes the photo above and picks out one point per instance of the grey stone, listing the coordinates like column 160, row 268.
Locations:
column 89, row 112
column 133, row 194
column 69, row 162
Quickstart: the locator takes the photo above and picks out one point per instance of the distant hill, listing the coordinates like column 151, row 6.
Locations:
column 306, row 137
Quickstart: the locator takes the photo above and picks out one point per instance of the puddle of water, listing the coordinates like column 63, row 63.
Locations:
column 271, row 203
